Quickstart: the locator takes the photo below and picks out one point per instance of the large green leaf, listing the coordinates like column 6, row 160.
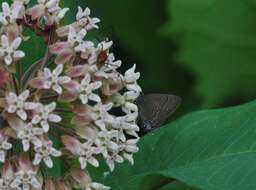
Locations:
column 217, row 42
column 210, row 150
column 176, row 185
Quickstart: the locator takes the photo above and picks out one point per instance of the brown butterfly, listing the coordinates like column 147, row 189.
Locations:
column 155, row 109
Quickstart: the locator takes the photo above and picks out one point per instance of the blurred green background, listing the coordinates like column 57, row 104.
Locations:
column 201, row 50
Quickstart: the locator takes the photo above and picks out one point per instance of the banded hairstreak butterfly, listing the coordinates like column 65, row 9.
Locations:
column 155, row 109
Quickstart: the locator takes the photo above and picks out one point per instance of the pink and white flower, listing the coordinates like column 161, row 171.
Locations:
column 29, row 134
column 126, row 101
column 26, row 176
column 83, row 21
column 22, row 2
column 108, row 69
column 86, row 88
column 107, row 141
column 4, row 146
column 26, row 132
column 97, row 114
column 101, row 116
column 74, row 44
column 8, row 174
column 8, row 50
column 18, row 104
column 48, row 10
column 10, row 14
column 85, row 151
column 112, row 158
column 129, row 148
column 126, row 125
column 51, row 79
column 130, row 79
column 44, row 152
column 85, row 182
column 44, row 114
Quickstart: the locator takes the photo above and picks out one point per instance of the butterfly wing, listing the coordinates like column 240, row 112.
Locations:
column 155, row 109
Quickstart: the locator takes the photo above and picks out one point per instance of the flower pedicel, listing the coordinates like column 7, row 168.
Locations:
column 76, row 79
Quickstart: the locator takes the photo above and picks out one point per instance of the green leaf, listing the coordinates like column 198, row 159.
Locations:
column 207, row 150
column 34, row 49
column 217, row 43
column 176, row 185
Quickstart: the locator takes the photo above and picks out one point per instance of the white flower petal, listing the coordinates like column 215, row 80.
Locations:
column 47, row 73
column 16, row 43
column 83, row 98
column 45, row 126
column 83, row 162
column 26, row 145
column 58, row 70
column 86, row 80
column 111, row 165
column 2, row 156
column 22, row 114
column 129, row 158
column 6, row 145
column 48, row 161
column 47, row 84
column 131, row 148
column 18, row 54
column 37, row 159
column 11, row 108
column 55, row 152
column 62, row 13
column 79, row 14
column 35, row 183
column 38, row 131
column 100, row 124
column 64, row 79
column 99, row 186
column 8, row 59
column 25, row 186
column 93, row 162
column 94, row 97
column 119, row 159
column 54, row 118
column 36, row 119
column 36, row 141
column 4, row 40
column 113, row 145
column 24, row 95
column 51, row 107
column 96, row 85
column 30, row 106
column 16, row 183
column 57, row 88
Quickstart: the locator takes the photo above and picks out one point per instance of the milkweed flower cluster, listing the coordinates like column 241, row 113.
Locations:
column 70, row 108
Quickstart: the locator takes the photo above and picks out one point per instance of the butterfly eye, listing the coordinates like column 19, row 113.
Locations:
column 147, row 126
